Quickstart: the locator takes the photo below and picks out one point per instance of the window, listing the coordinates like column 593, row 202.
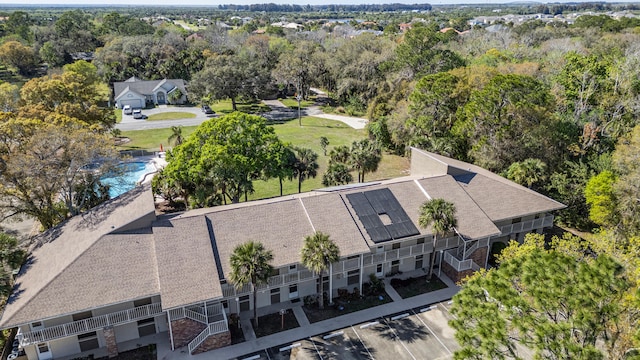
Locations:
column 275, row 295
column 395, row 246
column 146, row 327
column 516, row 220
column 225, row 304
column 380, row 249
column 353, row 277
column 293, row 291
column 325, row 283
column 142, row 302
column 420, row 241
column 81, row 316
column 43, row 348
column 88, row 341
column 395, row 266
column 37, row 325
column 293, row 268
column 419, row 261
column 379, row 269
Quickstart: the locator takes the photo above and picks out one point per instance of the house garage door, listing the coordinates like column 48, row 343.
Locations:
column 135, row 103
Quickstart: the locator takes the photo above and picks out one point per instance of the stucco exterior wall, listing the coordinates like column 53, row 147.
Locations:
column 64, row 347
column 126, row 332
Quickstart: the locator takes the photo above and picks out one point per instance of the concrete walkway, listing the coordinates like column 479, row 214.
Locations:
column 307, row 330
column 281, row 112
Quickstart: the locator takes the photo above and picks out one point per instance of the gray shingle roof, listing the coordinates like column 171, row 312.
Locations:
column 80, row 253
column 187, row 271
column 473, row 223
column 280, row 226
column 183, row 257
column 147, row 87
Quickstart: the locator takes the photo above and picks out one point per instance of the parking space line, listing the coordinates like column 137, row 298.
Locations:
column 362, row 342
column 432, row 333
column 254, row 357
column 287, row 348
column 447, row 310
column 401, row 342
column 315, row 347
column 327, row 337
column 266, row 352
column 373, row 323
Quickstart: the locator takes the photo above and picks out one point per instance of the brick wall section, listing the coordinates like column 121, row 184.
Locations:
column 110, row 339
column 214, row 342
column 184, row 330
column 453, row 274
column 480, row 257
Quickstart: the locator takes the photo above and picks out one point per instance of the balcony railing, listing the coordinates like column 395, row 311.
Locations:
column 274, row 281
column 460, row 265
column 526, row 226
column 90, row 324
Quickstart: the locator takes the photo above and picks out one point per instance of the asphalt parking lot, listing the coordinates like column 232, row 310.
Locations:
column 421, row 333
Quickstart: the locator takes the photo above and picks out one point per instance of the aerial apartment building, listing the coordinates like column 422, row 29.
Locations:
column 120, row 272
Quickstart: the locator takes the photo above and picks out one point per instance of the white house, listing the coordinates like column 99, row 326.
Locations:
column 138, row 93
column 119, row 272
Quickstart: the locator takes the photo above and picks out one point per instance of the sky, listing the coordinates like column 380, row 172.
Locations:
column 215, row 3
column 240, row 2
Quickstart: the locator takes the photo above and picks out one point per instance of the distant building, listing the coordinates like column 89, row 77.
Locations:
column 138, row 93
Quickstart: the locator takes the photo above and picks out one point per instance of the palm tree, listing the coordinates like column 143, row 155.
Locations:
column 317, row 253
column 250, row 265
column 336, row 174
column 176, row 136
column 306, row 165
column 365, row 157
column 441, row 215
column 527, row 172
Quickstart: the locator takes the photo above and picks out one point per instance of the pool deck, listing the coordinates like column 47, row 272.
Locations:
column 158, row 161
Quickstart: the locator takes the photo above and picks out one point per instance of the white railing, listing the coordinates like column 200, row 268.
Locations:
column 460, row 265
column 90, row 324
column 229, row 290
column 346, row 265
column 401, row 253
column 212, row 329
column 196, row 316
column 448, row 243
column 528, row 225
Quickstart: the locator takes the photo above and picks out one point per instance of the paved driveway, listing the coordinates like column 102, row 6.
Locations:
column 129, row 123
column 421, row 333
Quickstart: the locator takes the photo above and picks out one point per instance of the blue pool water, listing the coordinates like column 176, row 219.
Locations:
column 132, row 173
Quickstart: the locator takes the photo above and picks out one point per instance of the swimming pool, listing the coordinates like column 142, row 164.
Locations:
column 132, row 173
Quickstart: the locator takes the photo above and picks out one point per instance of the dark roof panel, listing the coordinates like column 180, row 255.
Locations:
column 369, row 205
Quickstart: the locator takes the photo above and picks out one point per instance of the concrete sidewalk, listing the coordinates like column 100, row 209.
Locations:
column 252, row 345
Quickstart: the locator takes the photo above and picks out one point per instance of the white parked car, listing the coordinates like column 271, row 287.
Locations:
column 137, row 114
column 127, row 110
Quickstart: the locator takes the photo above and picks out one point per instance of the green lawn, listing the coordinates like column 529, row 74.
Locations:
column 225, row 107
column 118, row 114
column 171, row 115
column 151, row 139
column 306, row 136
column 293, row 103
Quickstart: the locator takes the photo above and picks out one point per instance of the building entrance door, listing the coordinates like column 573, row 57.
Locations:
column 44, row 352
column 161, row 98
column 245, row 303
